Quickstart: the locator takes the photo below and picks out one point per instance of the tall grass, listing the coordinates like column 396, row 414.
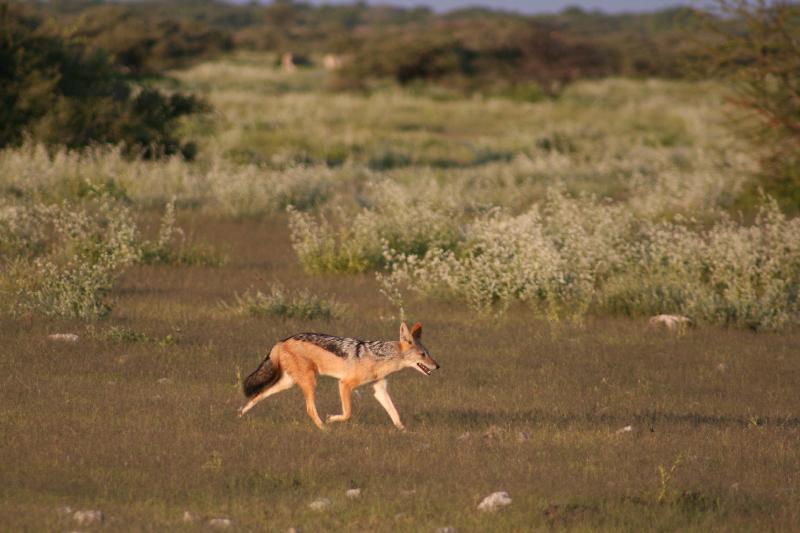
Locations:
column 219, row 185
column 661, row 146
column 281, row 303
column 250, row 191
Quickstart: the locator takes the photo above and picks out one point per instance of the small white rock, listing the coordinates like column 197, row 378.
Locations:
column 626, row 429
column 353, row 493
column 523, row 436
column 63, row 337
column 670, row 322
column 320, row 504
column 64, row 510
column 494, row 501
column 88, row 517
column 463, row 436
column 220, row 523
column 164, row 381
column 189, row 517
column 446, row 529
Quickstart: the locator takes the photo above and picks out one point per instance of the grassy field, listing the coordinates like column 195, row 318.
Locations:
column 147, row 429
column 138, row 417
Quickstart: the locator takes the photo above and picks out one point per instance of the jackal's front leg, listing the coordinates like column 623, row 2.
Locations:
column 345, row 392
column 308, row 386
column 382, row 395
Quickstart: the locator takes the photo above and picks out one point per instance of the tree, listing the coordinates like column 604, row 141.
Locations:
column 759, row 53
column 61, row 92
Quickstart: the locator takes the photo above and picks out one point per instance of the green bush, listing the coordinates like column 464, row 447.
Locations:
column 278, row 303
column 117, row 334
column 62, row 93
column 505, row 58
column 146, row 41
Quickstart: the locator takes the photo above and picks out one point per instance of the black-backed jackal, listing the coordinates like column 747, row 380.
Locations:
column 299, row 358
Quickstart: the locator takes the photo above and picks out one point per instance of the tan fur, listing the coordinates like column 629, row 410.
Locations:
column 300, row 362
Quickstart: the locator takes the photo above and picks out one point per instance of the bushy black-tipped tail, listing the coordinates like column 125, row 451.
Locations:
column 266, row 375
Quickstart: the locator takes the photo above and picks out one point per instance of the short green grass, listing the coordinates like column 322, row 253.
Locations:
column 517, row 406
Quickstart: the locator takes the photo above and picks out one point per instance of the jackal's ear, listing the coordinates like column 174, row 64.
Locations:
column 416, row 330
column 405, row 335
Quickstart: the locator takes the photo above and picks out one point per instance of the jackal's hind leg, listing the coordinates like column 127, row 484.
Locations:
column 382, row 395
column 284, row 383
column 345, row 392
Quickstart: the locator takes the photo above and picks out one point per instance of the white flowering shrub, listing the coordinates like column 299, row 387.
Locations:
column 23, row 229
column 249, row 190
column 405, row 219
column 743, row 275
column 173, row 248
column 81, row 251
column 571, row 257
column 552, row 257
column 323, row 247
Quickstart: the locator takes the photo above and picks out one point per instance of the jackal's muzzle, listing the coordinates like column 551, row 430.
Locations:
column 427, row 367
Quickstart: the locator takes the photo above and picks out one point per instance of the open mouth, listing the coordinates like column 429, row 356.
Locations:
column 425, row 369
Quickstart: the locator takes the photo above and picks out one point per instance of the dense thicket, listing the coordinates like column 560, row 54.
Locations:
column 59, row 91
column 146, row 41
column 476, row 42
column 476, row 53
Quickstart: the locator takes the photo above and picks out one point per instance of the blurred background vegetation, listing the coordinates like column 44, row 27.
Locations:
column 59, row 89
column 77, row 72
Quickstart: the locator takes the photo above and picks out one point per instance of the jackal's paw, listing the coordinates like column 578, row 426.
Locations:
column 401, row 427
column 241, row 412
column 336, row 418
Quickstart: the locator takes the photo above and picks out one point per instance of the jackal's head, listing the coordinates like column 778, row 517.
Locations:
column 415, row 355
